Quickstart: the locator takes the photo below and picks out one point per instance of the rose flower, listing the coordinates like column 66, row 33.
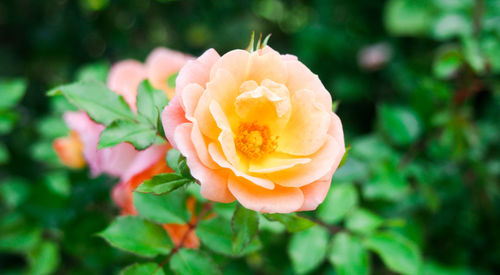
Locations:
column 132, row 166
column 257, row 127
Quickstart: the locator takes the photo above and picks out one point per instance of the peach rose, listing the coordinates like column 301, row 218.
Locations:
column 257, row 127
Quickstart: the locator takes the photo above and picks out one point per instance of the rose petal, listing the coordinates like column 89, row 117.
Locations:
column 190, row 98
column 213, row 181
column 172, row 116
column 200, row 146
column 124, row 78
column 322, row 162
column 222, row 89
column 275, row 163
column 226, row 139
column 306, row 130
column 315, row 193
column 235, row 62
column 278, row 200
column 144, row 159
column 218, row 157
column 300, row 77
column 161, row 64
column 266, row 65
column 196, row 71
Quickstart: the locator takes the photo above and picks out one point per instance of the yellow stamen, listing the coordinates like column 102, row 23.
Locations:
column 254, row 140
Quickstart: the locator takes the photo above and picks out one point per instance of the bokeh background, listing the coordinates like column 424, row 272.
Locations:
column 416, row 85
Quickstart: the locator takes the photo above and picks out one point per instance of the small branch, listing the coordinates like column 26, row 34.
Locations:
column 192, row 226
column 477, row 17
column 333, row 229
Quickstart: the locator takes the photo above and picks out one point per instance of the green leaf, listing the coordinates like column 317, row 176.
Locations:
column 163, row 184
column 103, row 105
column 344, row 157
column 408, row 17
column 348, row 255
column 473, row 54
column 171, row 80
column 11, row 92
column 193, row 262
column 292, row 222
column 451, row 25
column 434, row 268
column 7, row 121
column 400, row 124
column 14, row 191
column 447, row 63
column 245, row 224
column 363, row 221
column 58, row 182
column 216, row 234
column 143, row 268
column 307, row 249
column 44, row 259
column 387, row 183
column 341, row 199
column 150, row 102
column 173, row 158
column 17, row 235
column 52, row 127
column 4, row 154
column 139, row 135
column 398, row 254
column 169, row 208
column 138, row 236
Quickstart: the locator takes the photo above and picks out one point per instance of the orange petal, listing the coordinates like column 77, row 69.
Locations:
column 315, row 193
column 196, row 71
column 218, row 157
column 300, row 77
column 213, row 181
column 172, row 116
column 306, row 130
column 234, row 62
column 70, row 150
column 222, row 89
column 322, row 162
column 278, row 200
column 225, row 138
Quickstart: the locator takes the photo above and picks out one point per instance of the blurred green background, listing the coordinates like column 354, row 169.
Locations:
column 416, row 82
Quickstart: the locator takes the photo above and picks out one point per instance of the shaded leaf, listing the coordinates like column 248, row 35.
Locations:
column 363, row 221
column 44, row 259
column 400, row 124
column 292, row 222
column 245, row 224
column 348, row 255
column 216, row 234
column 397, row 253
column 341, row 199
column 192, row 262
column 169, row 208
column 307, row 249
column 143, row 268
column 11, row 92
column 138, row 236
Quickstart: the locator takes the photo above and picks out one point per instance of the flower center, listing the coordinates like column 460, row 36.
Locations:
column 254, row 140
